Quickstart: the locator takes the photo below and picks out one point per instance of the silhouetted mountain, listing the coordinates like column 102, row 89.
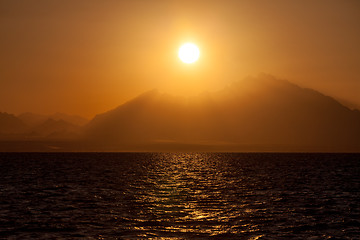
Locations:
column 38, row 127
column 56, row 129
column 9, row 124
column 266, row 112
column 73, row 119
column 349, row 104
column 33, row 119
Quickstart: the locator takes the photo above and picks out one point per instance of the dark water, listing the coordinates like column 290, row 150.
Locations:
column 179, row 196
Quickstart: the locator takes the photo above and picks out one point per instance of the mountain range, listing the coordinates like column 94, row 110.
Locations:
column 31, row 126
column 256, row 114
column 262, row 113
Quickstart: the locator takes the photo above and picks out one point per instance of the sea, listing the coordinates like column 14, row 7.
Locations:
column 179, row 196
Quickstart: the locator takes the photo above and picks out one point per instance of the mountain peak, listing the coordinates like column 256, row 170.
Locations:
column 262, row 111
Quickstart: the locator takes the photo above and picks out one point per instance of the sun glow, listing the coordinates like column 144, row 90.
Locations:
column 189, row 53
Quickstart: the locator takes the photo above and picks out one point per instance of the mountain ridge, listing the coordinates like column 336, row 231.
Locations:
column 258, row 111
column 254, row 114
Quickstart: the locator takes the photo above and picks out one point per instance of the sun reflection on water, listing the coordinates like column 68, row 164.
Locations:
column 179, row 196
column 188, row 193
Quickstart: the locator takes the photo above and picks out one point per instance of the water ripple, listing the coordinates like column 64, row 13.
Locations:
column 179, row 196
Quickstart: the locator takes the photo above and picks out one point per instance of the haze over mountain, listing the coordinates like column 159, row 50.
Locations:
column 10, row 124
column 31, row 126
column 56, row 129
column 262, row 113
column 33, row 119
column 256, row 114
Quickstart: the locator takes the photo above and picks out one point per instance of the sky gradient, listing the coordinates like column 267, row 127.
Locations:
column 86, row 57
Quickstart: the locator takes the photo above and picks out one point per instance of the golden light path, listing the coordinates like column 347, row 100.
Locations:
column 189, row 53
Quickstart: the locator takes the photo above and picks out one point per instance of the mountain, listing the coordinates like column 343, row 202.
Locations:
column 33, row 119
column 349, row 104
column 30, row 127
column 10, row 124
column 73, row 119
column 55, row 129
column 260, row 114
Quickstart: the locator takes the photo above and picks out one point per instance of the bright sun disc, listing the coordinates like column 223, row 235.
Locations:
column 189, row 53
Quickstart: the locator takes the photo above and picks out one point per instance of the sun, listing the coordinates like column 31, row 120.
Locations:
column 189, row 53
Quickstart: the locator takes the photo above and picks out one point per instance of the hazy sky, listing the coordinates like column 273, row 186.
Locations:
column 86, row 57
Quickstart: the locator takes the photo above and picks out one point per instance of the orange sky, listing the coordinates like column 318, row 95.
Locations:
column 85, row 57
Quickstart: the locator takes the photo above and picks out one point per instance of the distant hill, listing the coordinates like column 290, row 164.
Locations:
column 55, row 129
column 9, row 124
column 29, row 127
column 262, row 113
column 73, row 119
column 33, row 119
